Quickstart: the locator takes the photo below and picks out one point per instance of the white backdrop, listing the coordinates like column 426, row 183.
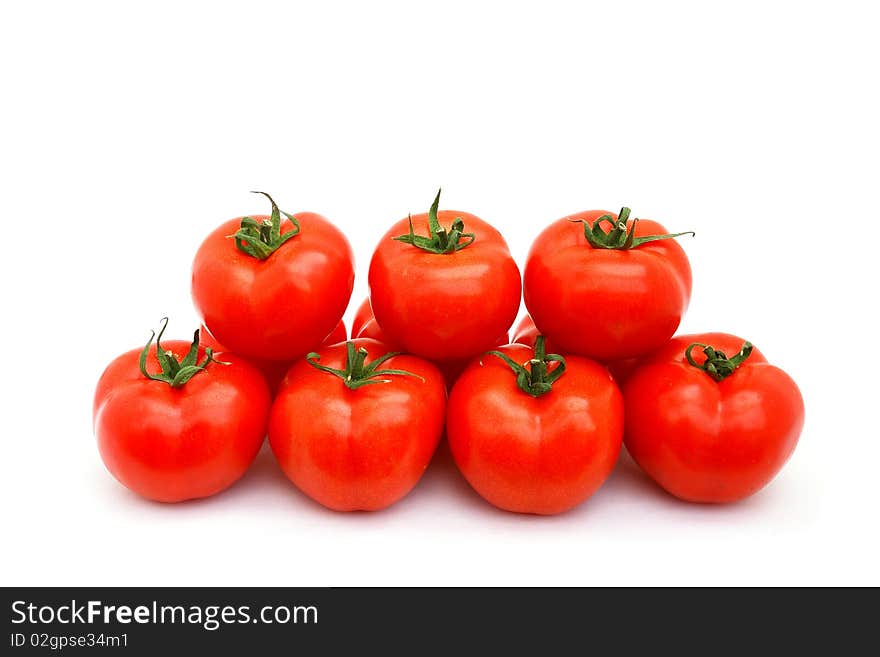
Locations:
column 128, row 133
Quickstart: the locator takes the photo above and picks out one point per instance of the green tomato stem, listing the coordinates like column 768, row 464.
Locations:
column 175, row 372
column 440, row 240
column 358, row 372
column 717, row 364
column 618, row 237
column 261, row 239
column 538, row 379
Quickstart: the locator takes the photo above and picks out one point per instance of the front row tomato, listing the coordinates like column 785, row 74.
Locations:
column 541, row 438
column 175, row 423
column 709, row 427
column 357, row 435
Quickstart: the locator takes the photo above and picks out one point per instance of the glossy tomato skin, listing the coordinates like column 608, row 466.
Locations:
column 541, row 455
column 361, row 449
column 708, row 441
column 273, row 370
column 281, row 307
column 444, row 306
column 174, row 444
column 602, row 303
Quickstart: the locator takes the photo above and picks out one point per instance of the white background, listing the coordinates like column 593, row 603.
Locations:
column 128, row 132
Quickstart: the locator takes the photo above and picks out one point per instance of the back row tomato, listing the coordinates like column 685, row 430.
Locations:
column 446, row 296
column 273, row 290
column 606, row 294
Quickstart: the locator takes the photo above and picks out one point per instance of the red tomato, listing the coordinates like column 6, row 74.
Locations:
column 273, row 370
column 356, row 435
column 609, row 302
column 541, row 440
column 171, row 443
column 442, row 296
column 711, row 436
column 280, row 306
column 362, row 315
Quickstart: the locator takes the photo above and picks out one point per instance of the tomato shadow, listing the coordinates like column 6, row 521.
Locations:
column 265, row 474
column 263, row 487
column 628, row 484
column 267, row 483
column 629, row 479
column 443, row 479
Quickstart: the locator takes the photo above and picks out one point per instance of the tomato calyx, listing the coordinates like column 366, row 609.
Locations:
column 176, row 372
column 358, row 372
column 717, row 364
column 617, row 237
column 538, row 379
column 260, row 239
column 440, row 240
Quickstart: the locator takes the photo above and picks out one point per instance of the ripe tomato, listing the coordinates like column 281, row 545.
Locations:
column 717, row 429
column 606, row 295
column 540, row 439
column 273, row 370
column 276, row 289
column 172, row 439
column 357, row 435
column 443, row 296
